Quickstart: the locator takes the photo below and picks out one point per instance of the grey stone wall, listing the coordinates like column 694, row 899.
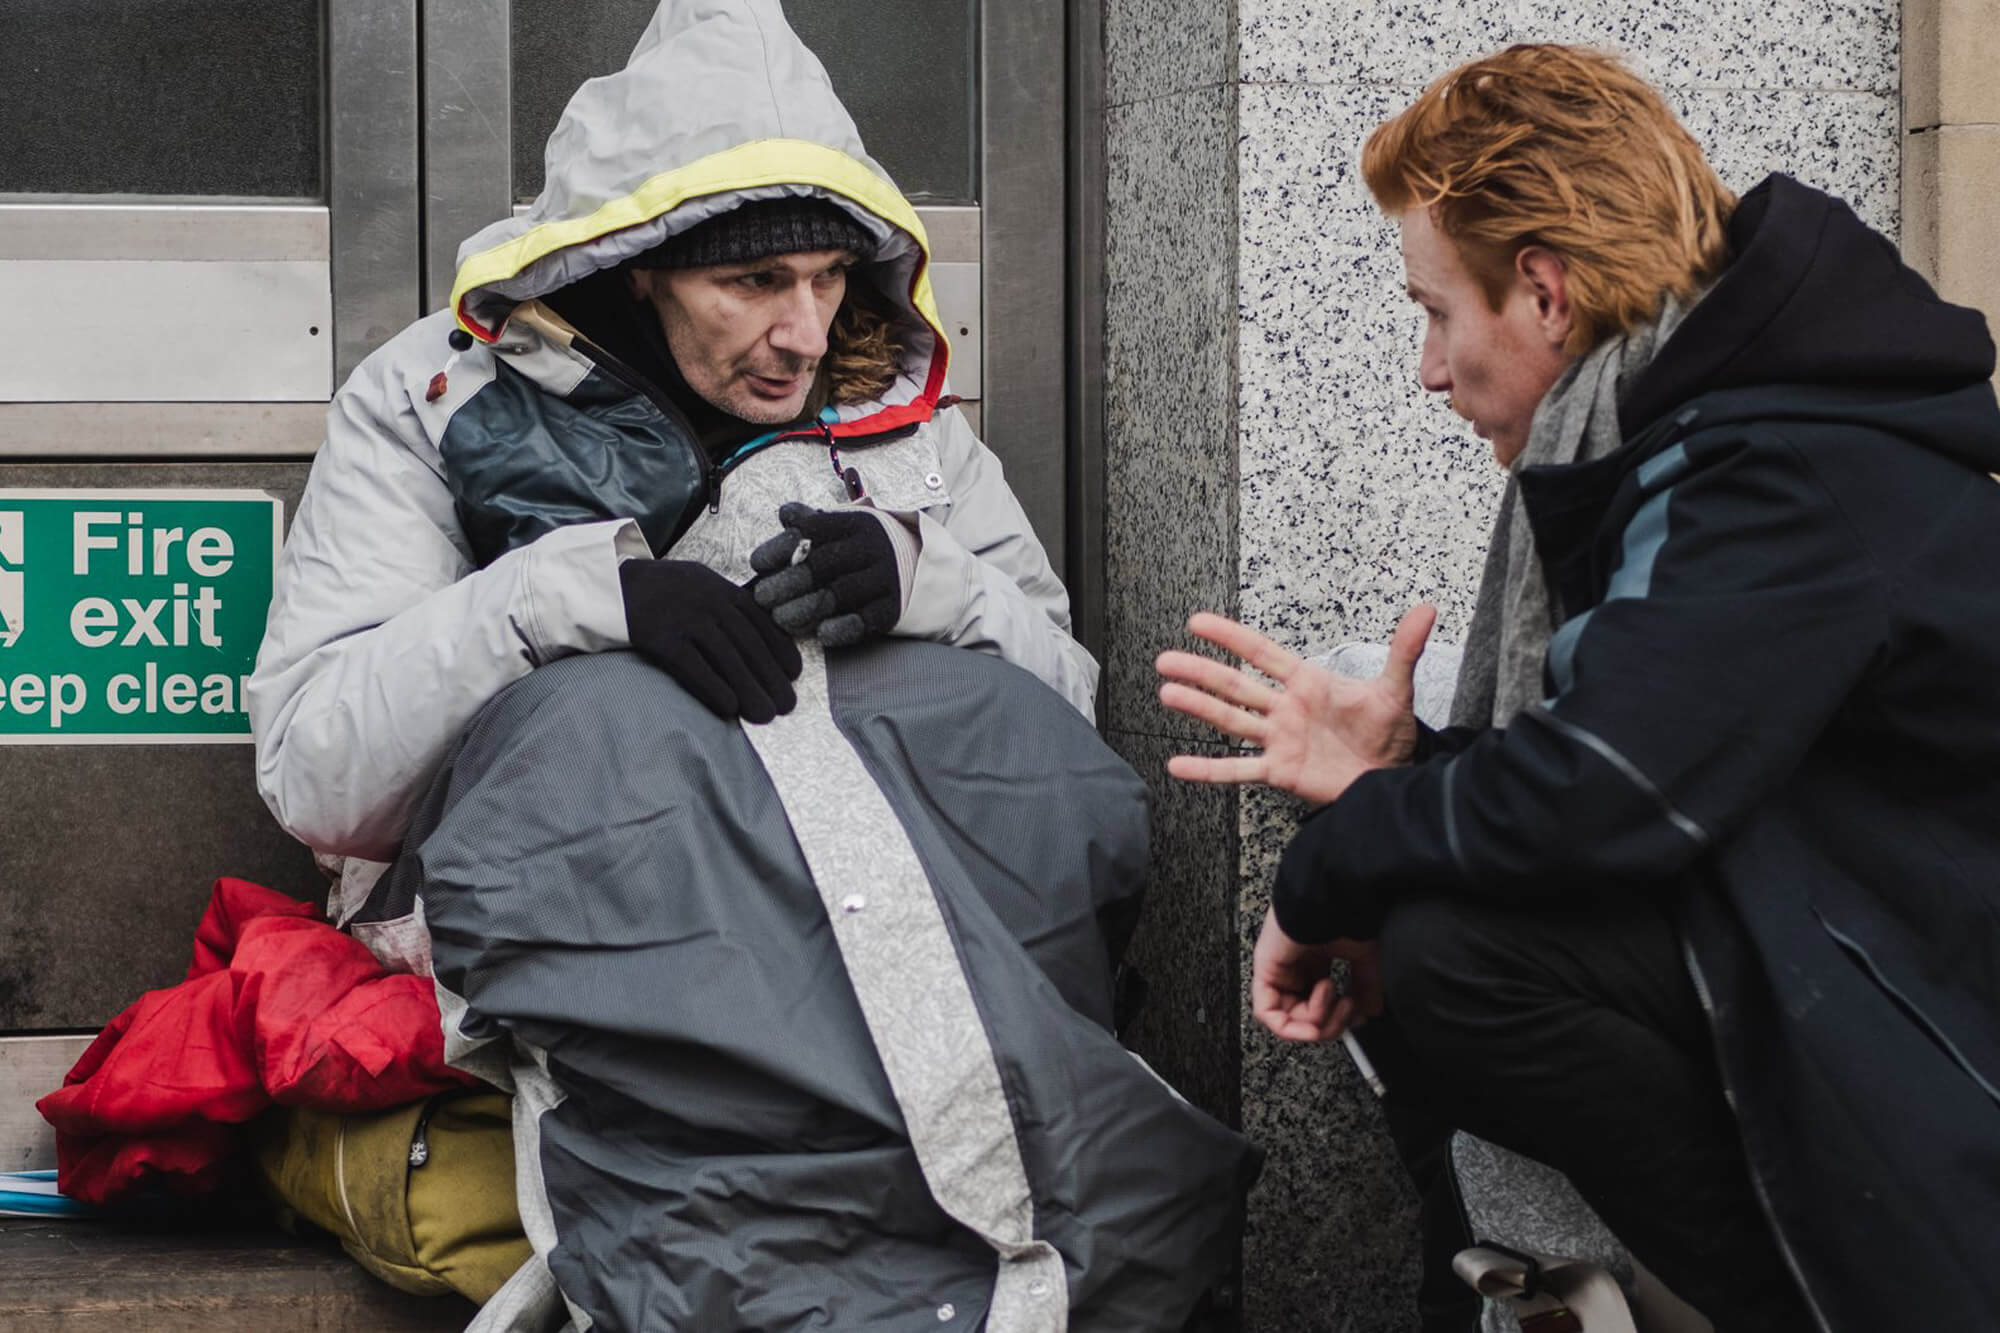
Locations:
column 1271, row 456
column 1171, row 492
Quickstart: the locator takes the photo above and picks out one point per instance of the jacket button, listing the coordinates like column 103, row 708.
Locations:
column 1038, row 1288
column 853, row 903
column 947, row 1313
column 933, row 480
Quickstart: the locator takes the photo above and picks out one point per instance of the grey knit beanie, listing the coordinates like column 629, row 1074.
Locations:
column 759, row 229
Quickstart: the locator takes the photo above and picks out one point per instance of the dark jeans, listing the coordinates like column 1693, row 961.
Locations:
column 1574, row 1036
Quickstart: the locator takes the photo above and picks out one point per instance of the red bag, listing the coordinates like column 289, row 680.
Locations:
column 278, row 1008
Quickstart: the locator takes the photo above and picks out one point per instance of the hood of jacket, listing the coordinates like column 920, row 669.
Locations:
column 1818, row 317
column 719, row 104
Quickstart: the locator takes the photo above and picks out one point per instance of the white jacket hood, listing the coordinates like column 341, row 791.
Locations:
column 720, row 104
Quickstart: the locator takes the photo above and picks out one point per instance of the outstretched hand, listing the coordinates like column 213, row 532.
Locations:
column 1317, row 731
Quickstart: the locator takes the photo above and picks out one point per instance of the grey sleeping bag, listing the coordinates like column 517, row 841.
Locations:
column 610, row 881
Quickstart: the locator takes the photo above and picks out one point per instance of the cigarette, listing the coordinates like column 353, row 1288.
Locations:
column 1362, row 1064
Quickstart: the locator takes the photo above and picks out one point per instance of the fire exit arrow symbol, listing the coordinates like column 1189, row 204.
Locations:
column 13, row 542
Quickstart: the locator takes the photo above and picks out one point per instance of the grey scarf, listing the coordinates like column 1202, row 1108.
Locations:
column 1576, row 421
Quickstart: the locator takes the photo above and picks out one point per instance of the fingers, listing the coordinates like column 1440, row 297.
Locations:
column 784, row 651
column 802, row 615
column 1319, row 1004
column 1318, row 1016
column 1269, row 657
column 788, row 584
column 1237, row 722
column 831, row 559
column 872, row 581
column 841, row 631
column 1407, row 644
column 838, row 592
column 689, row 666
column 1325, row 1014
column 1270, row 1005
column 724, row 653
column 766, row 682
column 1203, row 768
column 775, row 553
column 1218, row 678
column 858, row 626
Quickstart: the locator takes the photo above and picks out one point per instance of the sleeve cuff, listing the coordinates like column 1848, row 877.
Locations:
column 570, row 588
column 1312, row 906
column 1434, row 744
column 939, row 590
column 902, row 530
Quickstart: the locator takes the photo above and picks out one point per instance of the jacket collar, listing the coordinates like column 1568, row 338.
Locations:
column 1567, row 503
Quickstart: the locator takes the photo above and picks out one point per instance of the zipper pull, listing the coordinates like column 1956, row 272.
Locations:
column 459, row 341
column 420, row 1142
column 714, row 488
column 850, row 479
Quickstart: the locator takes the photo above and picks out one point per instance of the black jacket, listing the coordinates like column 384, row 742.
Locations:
column 1775, row 696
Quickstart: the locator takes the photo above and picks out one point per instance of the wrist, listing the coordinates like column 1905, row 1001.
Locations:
column 1308, row 900
column 908, row 548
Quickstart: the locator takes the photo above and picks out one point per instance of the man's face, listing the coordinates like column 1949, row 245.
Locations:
column 749, row 337
column 1495, row 365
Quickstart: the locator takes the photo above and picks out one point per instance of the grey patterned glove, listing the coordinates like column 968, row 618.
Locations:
column 846, row 589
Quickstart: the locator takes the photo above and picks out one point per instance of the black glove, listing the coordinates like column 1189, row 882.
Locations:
column 847, row 588
column 711, row 637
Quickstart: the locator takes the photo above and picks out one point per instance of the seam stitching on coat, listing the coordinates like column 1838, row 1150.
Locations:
column 1451, row 839
column 1694, row 832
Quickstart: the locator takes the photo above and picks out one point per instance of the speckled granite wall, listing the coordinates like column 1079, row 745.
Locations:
column 1270, row 453
column 1171, row 485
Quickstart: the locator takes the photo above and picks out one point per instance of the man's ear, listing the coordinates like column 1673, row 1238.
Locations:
column 1548, row 276
column 639, row 281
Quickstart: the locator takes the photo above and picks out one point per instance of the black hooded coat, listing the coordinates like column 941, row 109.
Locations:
column 1774, row 696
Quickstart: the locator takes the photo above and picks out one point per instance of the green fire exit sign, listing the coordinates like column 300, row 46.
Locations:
column 132, row 617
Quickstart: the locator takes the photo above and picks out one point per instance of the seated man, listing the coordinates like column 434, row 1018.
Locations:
column 1700, row 903
column 796, row 954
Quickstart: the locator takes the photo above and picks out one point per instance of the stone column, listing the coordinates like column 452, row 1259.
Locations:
column 1171, row 491
column 1951, row 158
column 1270, row 455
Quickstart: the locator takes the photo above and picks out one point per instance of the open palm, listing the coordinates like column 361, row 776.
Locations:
column 1316, row 731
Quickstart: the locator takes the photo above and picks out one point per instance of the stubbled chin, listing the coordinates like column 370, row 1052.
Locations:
column 764, row 412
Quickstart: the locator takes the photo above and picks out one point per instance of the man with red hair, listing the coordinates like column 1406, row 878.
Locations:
column 1698, row 900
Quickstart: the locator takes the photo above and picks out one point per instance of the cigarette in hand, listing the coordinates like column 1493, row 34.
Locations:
column 1362, row 1064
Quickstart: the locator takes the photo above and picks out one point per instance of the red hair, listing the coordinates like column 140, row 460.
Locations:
column 1565, row 148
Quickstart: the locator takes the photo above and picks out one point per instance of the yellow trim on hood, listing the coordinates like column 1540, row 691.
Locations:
column 761, row 162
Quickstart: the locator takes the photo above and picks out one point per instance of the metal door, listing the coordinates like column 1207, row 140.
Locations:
column 169, row 217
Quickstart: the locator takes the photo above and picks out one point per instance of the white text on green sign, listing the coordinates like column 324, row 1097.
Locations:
column 132, row 616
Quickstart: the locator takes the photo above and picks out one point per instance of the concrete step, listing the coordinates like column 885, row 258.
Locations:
column 97, row 1276
column 217, row 1268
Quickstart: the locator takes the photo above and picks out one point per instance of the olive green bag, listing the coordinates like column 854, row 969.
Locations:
column 422, row 1195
